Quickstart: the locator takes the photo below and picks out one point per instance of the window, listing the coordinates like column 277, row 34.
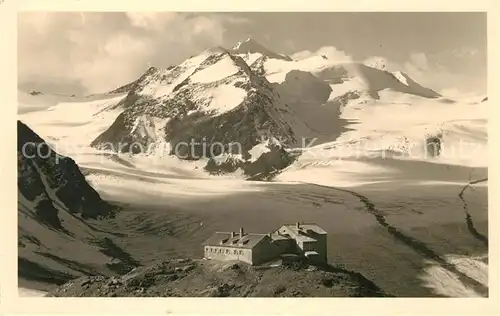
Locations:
column 241, row 252
column 235, row 251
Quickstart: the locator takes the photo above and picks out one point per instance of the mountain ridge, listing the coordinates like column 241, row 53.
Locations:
column 222, row 97
column 178, row 104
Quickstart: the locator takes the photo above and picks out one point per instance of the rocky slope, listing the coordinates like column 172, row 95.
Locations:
column 56, row 206
column 49, row 181
column 263, row 162
column 200, row 278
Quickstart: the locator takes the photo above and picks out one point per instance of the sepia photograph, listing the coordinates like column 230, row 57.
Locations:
column 252, row 154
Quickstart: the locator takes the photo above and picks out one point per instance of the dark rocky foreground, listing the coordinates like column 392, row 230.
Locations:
column 55, row 203
column 204, row 278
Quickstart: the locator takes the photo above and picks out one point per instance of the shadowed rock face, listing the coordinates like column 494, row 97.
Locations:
column 265, row 167
column 304, row 87
column 48, row 181
column 58, row 239
column 269, row 164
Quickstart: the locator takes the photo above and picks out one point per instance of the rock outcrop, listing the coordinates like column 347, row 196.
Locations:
column 200, row 278
column 49, row 182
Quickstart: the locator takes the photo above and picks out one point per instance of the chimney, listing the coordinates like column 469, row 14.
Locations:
column 242, row 232
column 233, row 234
column 297, row 225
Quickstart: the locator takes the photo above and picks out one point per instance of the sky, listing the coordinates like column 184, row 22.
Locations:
column 91, row 52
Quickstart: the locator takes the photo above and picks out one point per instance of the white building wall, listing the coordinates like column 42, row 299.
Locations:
column 228, row 253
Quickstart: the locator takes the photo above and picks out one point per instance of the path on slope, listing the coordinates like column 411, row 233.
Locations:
column 421, row 248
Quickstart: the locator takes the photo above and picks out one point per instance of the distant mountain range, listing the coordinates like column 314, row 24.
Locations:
column 242, row 95
column 232, row 95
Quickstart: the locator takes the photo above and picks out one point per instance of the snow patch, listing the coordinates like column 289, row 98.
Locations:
column 252, row 57
column 448, row 284
column 258, row 150
column 220, row 70
column 400, row 77
column 223, row 98
column 161, row 89
column 73, row 125
column 262, row 148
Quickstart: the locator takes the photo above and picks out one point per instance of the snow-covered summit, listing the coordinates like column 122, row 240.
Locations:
column 230, row 95
column 250, row 46
column 214, row 96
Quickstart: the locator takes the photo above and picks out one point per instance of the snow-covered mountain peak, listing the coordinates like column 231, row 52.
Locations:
column 207, row 95
column 250, row 46
column 227, row 96
column 240, row 43
column 215, row 50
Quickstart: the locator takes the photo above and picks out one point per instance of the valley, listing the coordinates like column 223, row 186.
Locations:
column 394, row 214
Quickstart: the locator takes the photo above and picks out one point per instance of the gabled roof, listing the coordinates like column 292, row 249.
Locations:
column 248, row 241
column 276, row 237
column 307, row 227
column 305, row 232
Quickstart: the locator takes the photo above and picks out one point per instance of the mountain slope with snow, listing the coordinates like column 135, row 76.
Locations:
column 202, row 99
column 250, row 46
column 205, row 105
column 226, row 102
